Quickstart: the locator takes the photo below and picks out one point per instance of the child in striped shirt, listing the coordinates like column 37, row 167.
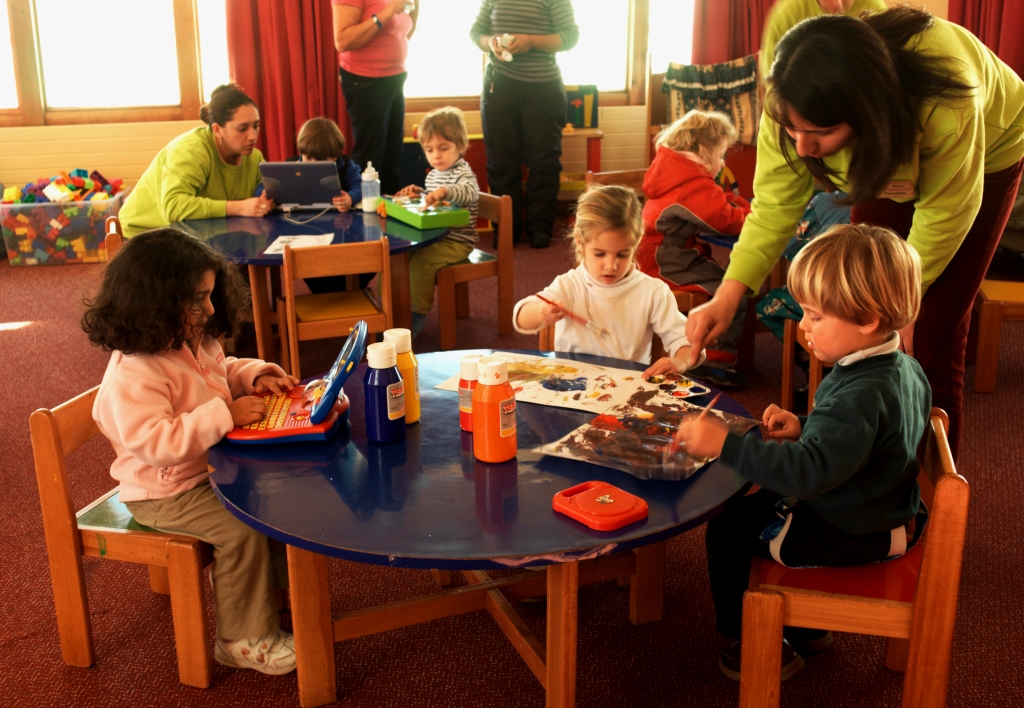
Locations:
column 444, row 139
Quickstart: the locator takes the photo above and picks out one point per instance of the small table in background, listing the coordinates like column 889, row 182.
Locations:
column 242, row 240
column 428, row 503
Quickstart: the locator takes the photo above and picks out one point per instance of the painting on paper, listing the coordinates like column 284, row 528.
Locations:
column 634, row 437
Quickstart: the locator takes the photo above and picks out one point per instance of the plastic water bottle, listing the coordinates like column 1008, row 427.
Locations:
column 371, row 188
column 410, row 5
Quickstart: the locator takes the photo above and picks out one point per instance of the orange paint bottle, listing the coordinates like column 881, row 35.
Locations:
column 467, row 383
column 494, row 412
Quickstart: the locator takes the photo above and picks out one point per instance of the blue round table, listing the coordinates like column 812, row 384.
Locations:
column 427, row 503
column 244, row 239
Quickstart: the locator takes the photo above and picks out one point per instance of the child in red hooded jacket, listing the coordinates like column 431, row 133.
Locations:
column 683, row 199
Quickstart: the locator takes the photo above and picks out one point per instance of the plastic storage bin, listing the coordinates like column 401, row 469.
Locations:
column 55, row 233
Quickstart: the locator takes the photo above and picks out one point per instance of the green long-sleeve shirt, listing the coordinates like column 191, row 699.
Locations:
column 961, row 141
column 855, row 464
column 189, row 180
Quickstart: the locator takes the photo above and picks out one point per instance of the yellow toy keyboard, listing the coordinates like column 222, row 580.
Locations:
column 287, row 420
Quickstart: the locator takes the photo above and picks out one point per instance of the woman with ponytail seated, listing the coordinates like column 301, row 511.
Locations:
column 209, row 172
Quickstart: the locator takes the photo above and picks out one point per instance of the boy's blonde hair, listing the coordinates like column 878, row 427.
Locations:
column 698, row 132
column 447, row 123
column 858, row 273
column 320, row 139
column 605, row 207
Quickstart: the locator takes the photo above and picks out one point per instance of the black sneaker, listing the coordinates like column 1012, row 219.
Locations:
column 719, row 378
column 729, row 661
column 808, row 641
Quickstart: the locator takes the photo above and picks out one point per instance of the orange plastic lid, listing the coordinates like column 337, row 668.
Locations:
column 600, row 505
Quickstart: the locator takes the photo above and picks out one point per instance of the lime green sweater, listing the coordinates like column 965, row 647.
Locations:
column 785, row 14
column 961, row 141
column 189, row 180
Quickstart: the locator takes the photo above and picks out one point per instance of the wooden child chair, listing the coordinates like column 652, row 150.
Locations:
column 105, row 529
column 332, row 314
column 453, row 280
column 911, row 599
column 791, row 337
column 634, row 179
column 115, row 237
column 998, row 301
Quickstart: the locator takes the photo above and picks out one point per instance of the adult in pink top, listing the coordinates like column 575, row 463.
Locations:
column 372, row 39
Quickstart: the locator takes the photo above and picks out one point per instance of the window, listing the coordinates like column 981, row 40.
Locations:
column 153, row 68
column 600, row 57
column 670, row 38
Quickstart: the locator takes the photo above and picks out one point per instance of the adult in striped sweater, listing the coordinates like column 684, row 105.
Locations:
column 522, row 105
column 444, row 138
column 923, row 126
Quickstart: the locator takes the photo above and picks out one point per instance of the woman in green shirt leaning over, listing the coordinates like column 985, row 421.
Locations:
column 923, row 127
column 209, row 172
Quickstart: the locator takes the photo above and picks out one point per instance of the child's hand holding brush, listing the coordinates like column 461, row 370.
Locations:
column 702, row 436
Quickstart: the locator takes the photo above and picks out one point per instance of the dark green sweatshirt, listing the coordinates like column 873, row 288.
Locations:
column 855, row 464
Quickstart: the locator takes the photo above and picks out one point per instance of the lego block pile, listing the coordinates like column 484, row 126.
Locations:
column 59, row 220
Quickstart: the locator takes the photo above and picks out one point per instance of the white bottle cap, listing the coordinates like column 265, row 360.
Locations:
column 380, row 355
column 401, row 338
column 467, row 368
column 369, row 174
column 492, row 370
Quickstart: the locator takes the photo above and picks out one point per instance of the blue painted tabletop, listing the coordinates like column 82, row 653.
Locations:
column 428, row 503
column 242, row 239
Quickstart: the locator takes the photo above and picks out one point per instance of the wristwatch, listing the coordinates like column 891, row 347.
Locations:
column 376, row 21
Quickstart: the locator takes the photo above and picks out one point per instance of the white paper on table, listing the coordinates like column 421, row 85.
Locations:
column 297, row 241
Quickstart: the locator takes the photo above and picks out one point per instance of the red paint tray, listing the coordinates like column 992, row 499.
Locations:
column 600, row 506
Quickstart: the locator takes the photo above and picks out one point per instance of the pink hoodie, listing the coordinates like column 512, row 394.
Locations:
column 162, row 412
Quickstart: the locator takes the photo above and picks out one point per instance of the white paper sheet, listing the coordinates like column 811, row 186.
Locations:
column 297, row 241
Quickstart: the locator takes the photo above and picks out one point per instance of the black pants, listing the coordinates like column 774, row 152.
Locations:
column 376, row 107
column 733, row 538
column 523, row 121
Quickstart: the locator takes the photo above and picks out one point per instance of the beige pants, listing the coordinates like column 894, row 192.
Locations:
column 423, row 266
column 247, row 565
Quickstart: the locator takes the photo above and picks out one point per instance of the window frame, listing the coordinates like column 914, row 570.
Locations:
column 31, row 110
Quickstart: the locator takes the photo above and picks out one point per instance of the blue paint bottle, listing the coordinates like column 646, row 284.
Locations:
column 383, row 394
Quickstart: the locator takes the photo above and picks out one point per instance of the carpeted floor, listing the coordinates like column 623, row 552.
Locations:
column 464, row 660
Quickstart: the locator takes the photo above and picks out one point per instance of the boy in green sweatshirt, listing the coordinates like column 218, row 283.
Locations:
column 842, row 485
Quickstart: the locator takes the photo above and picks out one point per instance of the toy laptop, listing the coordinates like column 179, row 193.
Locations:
column 303, row 186
column 412, row 211
column 600, row 506
column 313, row 413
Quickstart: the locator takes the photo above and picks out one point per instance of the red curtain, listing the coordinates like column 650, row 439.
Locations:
column 997, row 23
column 281, row 52
column 724, row 30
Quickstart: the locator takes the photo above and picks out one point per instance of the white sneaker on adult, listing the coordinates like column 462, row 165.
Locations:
column 273, row 653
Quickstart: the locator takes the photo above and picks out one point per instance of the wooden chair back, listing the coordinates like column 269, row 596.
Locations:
column 546, row 339
column 792, row 337
column 919, row 625
column 453, row 280
column 175, row 562
column 634, row 179
column 335, row 259
column 115, row 237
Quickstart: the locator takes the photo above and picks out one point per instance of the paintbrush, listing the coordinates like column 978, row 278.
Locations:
column 574, row 317
column 674, row 445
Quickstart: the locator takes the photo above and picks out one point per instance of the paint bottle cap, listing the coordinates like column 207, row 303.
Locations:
column 492, row 370
column 467, row 368
column 401, row 338
column 381, row 355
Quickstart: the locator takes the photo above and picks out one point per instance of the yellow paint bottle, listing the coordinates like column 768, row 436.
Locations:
column 409, row 369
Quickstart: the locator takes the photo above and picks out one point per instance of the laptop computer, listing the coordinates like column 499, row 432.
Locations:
column 302, row 186
column 310, row 413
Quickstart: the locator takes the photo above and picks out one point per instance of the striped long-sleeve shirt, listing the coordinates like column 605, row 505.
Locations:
column 539, row 17
column 463, row 191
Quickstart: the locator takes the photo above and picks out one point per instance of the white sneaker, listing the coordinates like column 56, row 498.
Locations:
column 273, row 653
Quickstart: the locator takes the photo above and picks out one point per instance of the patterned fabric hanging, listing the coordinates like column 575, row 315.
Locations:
column 730, row 88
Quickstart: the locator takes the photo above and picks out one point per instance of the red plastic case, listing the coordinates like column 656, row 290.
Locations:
column 600, row 505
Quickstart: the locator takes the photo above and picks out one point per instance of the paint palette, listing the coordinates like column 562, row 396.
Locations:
column 678, row 386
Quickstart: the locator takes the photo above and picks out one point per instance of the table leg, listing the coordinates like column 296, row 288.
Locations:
column 563, row 600
column 261, row 312
column 401, row 307
column 594, row 154
column 647, row 586
column 313, row 628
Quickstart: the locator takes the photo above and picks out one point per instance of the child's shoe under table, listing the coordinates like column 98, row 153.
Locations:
column 729, row 661
column 273, row 653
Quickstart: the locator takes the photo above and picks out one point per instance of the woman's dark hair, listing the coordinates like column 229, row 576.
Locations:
column 224, row 101
column 836, row 69
column 146, row 287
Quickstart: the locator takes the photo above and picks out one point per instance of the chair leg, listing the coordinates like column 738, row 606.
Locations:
column 788, row 362
column 990, row 321
column 506, row 300
column 188, row 608
column 446, row 309
column 158, row 580
column 896, row 652
column 72, row 605
column 761, row 650
column 461, row 300
column 443, row 578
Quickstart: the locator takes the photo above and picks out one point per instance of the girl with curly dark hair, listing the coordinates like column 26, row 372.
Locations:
column 167, row 396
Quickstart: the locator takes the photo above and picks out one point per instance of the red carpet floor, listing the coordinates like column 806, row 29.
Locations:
column 464, row 660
